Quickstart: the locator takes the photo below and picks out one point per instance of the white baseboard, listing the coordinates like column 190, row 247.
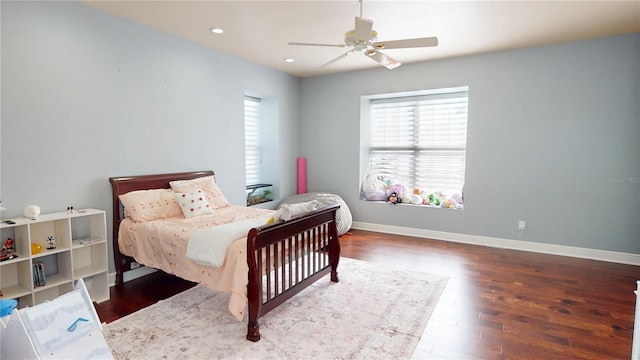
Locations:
column 132, row 274
column 602, row 255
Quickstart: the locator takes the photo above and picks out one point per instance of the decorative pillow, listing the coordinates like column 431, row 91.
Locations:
column 207, row 184
column 193, row 203
column 146, row 205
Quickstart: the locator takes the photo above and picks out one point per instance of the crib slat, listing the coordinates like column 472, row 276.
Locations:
column 291, row 259
column 283, row 268
column 297, row 258
column 268, row 273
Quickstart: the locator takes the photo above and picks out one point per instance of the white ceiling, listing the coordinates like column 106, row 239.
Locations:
column 260, row 30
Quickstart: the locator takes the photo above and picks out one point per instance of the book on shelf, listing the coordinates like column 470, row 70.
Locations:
column 39, row 277
column 43, row 276
column 36, row 278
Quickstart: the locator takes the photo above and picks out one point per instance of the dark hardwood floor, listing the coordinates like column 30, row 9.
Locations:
column 498, row 304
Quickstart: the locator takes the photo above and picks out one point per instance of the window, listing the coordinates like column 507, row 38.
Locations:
column 261, row 148
column 252, row 148
column 419, row 140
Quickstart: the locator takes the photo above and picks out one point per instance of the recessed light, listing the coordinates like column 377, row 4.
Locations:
column 289, row 60
column 217, row 30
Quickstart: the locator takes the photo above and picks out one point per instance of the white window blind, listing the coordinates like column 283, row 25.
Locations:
column 420, row 141
column 252, row 139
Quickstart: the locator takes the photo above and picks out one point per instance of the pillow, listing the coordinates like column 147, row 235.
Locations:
column 207, row 184
column 146, row 205
column 193, row 203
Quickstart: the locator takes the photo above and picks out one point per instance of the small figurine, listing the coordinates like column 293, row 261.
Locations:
column 52, row 242
column 7, row 250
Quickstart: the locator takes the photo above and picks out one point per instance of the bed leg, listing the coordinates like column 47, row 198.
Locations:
column 253, row 331
column 119, row 273
column 334, row 254
column 119, row 278
column 334, row 272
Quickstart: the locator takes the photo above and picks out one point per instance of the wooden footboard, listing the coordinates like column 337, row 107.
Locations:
column 285, row 258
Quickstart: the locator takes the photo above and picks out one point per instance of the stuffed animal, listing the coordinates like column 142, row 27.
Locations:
column 374, row 187
column 434, row 199
column 416, row 199
column 373, row 183
column 386, row 180
column 399, row 189
column 394, row 198
column 425, row 198
column 456, row 201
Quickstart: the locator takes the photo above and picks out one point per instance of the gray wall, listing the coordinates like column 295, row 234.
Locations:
column 553, row 139
column 86, row 96
column 553, row 131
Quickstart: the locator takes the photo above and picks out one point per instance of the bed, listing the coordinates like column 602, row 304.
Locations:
column 261, row 270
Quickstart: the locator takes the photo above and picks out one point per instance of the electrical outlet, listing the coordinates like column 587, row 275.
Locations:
column 522, row 225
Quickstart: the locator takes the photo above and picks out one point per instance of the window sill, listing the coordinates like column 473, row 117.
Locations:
column 414, row 205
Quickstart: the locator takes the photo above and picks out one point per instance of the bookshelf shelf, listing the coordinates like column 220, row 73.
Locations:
column 80, row 253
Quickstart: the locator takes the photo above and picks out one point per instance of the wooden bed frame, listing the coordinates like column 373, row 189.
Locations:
column 309, row 241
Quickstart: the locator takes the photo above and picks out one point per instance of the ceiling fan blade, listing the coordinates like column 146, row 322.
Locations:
column 363, row 29
column 314, row 44
column 384, row 60
column 406, row 43
column 339, row 57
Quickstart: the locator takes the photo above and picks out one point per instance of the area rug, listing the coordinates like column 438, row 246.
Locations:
column 374, row 312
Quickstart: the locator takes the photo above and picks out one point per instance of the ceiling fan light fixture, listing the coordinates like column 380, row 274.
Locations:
column 351, row 40
column 363, row 39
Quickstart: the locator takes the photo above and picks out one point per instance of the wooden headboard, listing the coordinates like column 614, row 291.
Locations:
column 124, row 184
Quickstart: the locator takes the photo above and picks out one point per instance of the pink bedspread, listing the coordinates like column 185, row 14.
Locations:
column 162, row 244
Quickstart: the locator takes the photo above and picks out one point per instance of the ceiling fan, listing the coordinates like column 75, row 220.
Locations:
column 364, row 39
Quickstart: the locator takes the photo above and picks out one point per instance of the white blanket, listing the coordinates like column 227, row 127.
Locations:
column 209, row 246
column 287, row 211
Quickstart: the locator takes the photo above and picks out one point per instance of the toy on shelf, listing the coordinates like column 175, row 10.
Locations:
column 36, row 248
column 52, row 242
column 8, row 249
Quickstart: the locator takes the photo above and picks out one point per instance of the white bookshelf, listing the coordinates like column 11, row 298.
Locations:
column 81, row 253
